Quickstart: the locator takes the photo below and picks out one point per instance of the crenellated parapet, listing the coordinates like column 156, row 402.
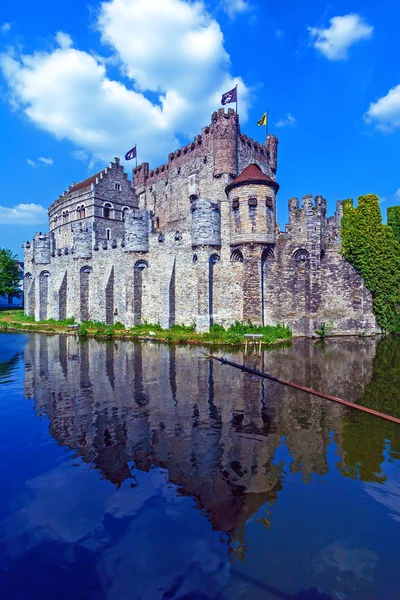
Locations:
column 222, row 143
column 83, row 238
column 137, row 230
column 42, row 248
column 225, row 129
column 206, row 222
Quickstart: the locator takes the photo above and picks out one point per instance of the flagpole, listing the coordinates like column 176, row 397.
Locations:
column 136, row 155
column 236, row 99
column 266, row 127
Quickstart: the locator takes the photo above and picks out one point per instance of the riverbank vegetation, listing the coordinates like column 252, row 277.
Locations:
column 374, row 250
column 17, row 321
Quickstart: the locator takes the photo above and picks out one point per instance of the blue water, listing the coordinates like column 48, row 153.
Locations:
column 142, row 471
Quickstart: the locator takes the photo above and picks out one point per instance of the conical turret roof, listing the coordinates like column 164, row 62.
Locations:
column 251, row 174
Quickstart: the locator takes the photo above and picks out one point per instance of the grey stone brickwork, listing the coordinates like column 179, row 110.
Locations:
column 195, row 241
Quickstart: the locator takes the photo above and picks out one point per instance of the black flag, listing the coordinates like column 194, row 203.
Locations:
column 131, row 154
column 229, row 97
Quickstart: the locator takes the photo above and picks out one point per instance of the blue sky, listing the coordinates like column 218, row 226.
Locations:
column 82, row 83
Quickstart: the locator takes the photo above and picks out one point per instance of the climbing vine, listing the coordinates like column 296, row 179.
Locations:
column 374, row 250
column 393, row 220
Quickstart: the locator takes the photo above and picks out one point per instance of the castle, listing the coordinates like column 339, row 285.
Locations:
column 195, row 241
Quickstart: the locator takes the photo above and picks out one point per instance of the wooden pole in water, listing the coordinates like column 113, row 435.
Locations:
column 365, row 409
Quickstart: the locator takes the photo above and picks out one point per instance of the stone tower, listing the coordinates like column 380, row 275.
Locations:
column 206, row 223
column 42, row 248
column 252, row 205
column 225, row 128
column 137, row 230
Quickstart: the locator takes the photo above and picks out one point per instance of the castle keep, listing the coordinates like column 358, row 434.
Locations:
column 195, row 241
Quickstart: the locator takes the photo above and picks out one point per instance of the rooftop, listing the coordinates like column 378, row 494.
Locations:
column 252, row 174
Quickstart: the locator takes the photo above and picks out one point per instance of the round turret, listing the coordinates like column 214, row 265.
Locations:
column 206, row 223
column 82, row 241
column 41, row 244
column 252, row 198
column 137, row 230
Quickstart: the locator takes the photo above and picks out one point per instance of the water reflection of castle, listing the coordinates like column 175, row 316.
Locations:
column 215, row 429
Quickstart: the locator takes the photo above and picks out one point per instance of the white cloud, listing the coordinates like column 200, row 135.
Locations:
column 5, row 27
column 23, row 214
column 64, row 40
column 235, row 7
column 288, row 121
column 48, row 162
column 385, row 112
column 334, row 41
column 174, row 48
column 80, row 155
column 397, row 194
column 31, row 162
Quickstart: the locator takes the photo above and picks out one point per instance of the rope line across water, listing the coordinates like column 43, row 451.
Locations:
column 365, row 409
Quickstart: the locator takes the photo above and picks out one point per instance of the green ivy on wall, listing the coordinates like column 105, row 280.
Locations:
column 374, row 251
column 393, row 220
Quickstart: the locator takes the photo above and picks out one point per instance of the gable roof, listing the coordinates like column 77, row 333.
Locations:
column 251, row 174
column 85, row 183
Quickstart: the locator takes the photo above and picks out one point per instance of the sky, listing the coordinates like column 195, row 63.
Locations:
column 81, row 83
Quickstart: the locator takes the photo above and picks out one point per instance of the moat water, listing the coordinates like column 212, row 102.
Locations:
column 142, row 471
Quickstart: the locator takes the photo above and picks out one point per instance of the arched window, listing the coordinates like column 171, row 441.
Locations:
column 141, row 264
column 108, row 234
column 139, row 269
column 107, row 208
column 66, row 216
column 83, row 211
column 301, row 256
column 125, row 211
column 78, row 212
column 237, row 256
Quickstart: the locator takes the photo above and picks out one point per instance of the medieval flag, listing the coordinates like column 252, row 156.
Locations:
column 131, row 154
column 263, row 120
column 229, row 97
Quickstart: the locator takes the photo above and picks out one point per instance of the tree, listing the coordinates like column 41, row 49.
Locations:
column 9, row 274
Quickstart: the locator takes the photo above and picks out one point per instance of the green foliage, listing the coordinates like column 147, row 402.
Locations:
column 365, row 438
column 177, row 333
column 373, row 250
column 325, row 330
column 9, row 274
column 393, row 220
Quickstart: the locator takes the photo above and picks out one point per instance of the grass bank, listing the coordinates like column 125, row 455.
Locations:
column 15, row 320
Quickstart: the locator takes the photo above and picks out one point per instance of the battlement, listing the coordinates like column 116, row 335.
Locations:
column 220, row 141
column 42, row 248
column 206, row 222
column 137, row 230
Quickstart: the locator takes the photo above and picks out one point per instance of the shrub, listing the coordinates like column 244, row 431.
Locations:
column 374, row 251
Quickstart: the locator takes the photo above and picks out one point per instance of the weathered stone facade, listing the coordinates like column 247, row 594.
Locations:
column 195, row 241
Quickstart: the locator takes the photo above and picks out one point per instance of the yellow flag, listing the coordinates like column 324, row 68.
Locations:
column 263, row 120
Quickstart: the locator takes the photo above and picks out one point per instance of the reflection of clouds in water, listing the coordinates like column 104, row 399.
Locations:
column 343, row 557
column 56, row 508
column 183, row 560
column 161, row 532
column 388, row 495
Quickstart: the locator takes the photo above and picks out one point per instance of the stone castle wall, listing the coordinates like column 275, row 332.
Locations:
column 188, row 243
